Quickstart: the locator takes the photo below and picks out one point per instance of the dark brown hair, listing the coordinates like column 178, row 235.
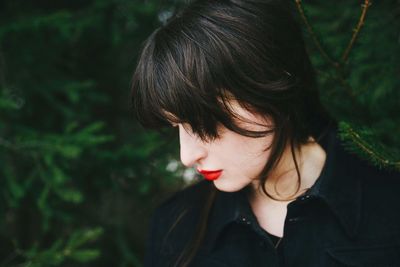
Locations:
column 211, row 51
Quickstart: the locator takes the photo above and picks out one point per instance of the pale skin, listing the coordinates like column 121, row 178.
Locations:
column 242, row 158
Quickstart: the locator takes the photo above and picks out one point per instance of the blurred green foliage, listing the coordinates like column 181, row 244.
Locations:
column 78, row 176
column 362, row 88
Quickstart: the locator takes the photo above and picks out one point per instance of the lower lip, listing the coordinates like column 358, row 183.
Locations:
column 212, row 175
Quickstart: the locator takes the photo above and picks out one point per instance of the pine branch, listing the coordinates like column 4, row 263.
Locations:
column 313, row 35
column 365, row 148
column 336, row 65
column 360, row 23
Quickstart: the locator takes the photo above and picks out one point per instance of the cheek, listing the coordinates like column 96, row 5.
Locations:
column 254, row 155
column 244, row 152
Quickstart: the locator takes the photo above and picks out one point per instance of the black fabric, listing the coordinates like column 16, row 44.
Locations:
column 274, row 238
column 349, row 217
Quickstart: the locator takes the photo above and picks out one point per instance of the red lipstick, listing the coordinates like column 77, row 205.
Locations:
column 210, row 175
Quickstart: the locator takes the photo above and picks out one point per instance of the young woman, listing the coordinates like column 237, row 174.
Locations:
column 234, row 78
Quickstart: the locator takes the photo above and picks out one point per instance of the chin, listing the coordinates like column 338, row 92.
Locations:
column 228, row 186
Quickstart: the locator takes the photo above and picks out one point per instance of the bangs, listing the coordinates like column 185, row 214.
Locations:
column 172, row 84
column 178, row 81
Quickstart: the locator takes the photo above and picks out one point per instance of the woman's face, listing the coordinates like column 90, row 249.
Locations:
column 239, row 158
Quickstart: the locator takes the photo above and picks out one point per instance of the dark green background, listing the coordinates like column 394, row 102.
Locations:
column 79, row 177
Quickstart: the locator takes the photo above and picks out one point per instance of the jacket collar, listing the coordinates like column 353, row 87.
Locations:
column 338, row 186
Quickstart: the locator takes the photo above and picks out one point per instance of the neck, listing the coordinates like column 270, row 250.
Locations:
column 282, row 183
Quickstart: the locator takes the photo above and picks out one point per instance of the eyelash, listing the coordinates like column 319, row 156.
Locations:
column 220, row 130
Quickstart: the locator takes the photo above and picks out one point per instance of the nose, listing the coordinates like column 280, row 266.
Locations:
column 192, row 149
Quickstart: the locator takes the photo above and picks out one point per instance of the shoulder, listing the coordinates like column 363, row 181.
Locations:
column 381, row 183
column 376, row 179
column 380, row 196
column 376, row 182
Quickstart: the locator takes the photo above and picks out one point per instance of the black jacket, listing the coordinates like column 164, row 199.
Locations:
column 349, row 217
